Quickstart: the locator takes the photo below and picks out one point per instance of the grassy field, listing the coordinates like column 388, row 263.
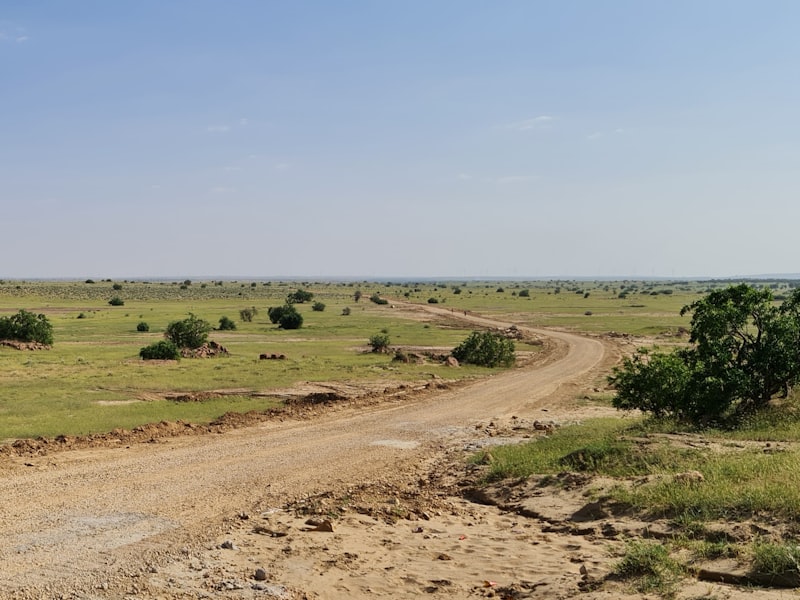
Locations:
column 89, row 380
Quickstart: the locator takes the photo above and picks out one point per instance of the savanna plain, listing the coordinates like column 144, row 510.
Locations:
column 302, row 463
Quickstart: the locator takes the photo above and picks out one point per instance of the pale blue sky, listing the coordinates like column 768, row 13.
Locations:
column 411, row 138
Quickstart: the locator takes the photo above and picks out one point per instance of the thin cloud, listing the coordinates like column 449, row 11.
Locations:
column 218, row 129
column 464, row 176
column 282, row 166
column 222, row 190
column 594, row 136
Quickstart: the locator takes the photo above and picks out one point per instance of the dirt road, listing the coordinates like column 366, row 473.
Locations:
column 94, row 523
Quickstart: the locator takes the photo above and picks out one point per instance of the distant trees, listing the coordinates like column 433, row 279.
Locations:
column 26, row 327
column 191, row 332
column 486, row 349
column 744, row 350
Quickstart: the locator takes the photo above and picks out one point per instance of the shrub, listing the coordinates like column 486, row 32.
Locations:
column 226, row 324
column 377, row 299
column 346, row 311
column 299, row 296
column 143, row 327
column 357, row 295
column 290, row 318
column 500, row 290
column 81, row 315
column 276, row 312
column 163, row 350
column 524, row 293
column 116, row 301
column 26, row 327
column 433, row 301
column 191, row 332
column 89, row 281
column 486, row 349
column 318, row 307
column 247, row 314
column 379, row 342
column 116, row 287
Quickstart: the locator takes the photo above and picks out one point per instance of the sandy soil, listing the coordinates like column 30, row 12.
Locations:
column 359, row 501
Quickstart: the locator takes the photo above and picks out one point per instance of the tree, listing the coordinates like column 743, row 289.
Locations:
column 26, row 327
column 275, row 313
column 357, row 295
column 379, row 342
column 744, row 351
column 486, row 349
column 116, row 301
column 226, row 324
column 299, row 296
column 290, row 318
column 163, row 350
column 191, row 332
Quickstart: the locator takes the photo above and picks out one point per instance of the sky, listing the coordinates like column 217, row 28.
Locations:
column 408, row 138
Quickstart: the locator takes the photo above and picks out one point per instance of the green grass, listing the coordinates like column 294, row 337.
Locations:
column 651, row 569
column 95, row 361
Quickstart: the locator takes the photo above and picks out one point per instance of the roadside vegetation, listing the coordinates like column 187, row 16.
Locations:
column 718, row 445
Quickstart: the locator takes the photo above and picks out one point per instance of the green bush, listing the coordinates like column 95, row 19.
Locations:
column 433, row 300
column 226, row 324
column 26, row 327
column 116, row 301
column 299, row 296
column 290, row 318
column 377, row 299
column 191, row 332
column 524, row 293
column 163, row 350
column 116, row 287
column 346, row 311
column 276, row 312
column 143, row 327
column 486, row 349
column 379, row 342
column 318, row 307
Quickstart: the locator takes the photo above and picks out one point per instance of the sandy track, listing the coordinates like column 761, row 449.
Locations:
column 76, row 520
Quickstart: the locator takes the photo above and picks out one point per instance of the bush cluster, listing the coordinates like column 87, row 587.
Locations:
column 286, row 316
column 163, row 350
column 486, row 349
column 26, row 327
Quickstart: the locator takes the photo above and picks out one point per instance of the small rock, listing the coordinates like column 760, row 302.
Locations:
column 227, row 545
column 260, row 575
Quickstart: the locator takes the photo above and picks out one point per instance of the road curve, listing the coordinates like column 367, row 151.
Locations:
column 79, row 516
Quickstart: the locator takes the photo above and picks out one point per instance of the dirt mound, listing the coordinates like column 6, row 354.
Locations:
column 17, row 345
column 207, row 350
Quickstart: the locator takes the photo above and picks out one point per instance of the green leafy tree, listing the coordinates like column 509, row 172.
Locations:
column 26, row 326
column 290, row 318
column 163, row 350
column 744, row 351
column 276, row 312
column 486, row 349
column 191, row 332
